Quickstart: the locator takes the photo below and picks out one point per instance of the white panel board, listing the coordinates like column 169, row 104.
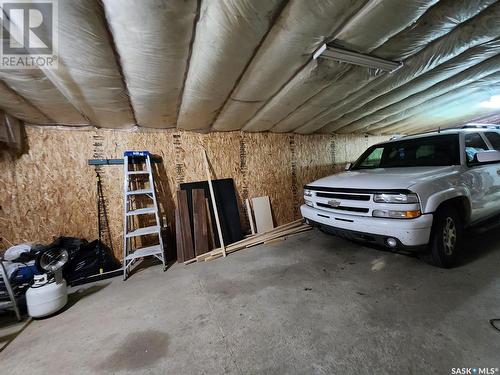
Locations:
column 262, row 213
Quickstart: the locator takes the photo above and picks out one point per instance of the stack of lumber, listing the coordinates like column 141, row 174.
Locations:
column 192, row 234
column 278, row 233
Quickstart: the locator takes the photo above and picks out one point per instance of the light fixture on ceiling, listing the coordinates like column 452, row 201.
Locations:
column 355, row 58
column 493, row 102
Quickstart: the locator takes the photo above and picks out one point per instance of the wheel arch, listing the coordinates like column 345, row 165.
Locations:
column 461, row 204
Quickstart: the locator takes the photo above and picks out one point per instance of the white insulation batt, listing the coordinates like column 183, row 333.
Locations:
column 227, row 35
column 34, row 86
column 481, row 29
column 439, row 21
column 17, row 106
column 153, row 39
column 453, row 103
column 365, row 22
column 212, row 65
column 429, row 27
column 467, row 35
column 457, row 106
column 88, row 74
column 299, row 30
column 467, row 68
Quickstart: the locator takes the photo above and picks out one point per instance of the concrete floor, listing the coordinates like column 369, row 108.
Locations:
column 313, row 304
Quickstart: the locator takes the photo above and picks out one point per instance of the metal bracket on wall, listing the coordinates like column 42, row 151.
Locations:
column 116, row 161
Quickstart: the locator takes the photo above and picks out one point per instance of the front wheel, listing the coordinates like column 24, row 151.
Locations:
column 446, row 237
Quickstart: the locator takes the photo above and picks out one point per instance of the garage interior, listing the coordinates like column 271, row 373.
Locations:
column 244, row 90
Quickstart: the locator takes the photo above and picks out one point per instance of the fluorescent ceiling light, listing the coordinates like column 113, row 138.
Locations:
column 345, row 56
column 494, row 102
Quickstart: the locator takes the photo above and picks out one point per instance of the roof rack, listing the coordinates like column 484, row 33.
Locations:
column 480, row 126
column 466, row 126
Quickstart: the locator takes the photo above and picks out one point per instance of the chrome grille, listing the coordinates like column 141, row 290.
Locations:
column 356, row 197
column 347, row 201
column 344, row 208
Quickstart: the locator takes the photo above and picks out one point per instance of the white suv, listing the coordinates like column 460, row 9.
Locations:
column 413, row 193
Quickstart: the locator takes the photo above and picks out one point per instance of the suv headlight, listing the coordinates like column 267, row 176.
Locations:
column 308, row 193
column 395, row 198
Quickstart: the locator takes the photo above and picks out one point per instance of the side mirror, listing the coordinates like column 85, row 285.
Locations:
column 490, row 156
column 348, row 166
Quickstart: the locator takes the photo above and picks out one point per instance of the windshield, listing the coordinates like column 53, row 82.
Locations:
column 437, row 150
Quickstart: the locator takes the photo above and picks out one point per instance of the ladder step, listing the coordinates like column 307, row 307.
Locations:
column 145, row 251
column 142, row 154
column 142, row 211
column 137, row 172
column 140, row 191
column 144, row 231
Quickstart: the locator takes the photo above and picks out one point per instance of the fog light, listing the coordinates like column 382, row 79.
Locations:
column 391, row 242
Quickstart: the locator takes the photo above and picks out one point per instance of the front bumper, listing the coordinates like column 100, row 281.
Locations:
column 410, row 234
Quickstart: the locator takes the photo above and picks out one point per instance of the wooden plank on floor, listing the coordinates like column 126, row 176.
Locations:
column 262, row 213
column 297, row 224
column 200, row 224
column 280, row 232
column 214, row 203
column 280, row 235
column 185, row 227
column 250, row 216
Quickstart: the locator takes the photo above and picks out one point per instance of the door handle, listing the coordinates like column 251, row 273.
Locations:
column 498, row 172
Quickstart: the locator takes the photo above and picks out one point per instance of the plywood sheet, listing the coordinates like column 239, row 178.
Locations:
column 262, row 213
column 227, row 207
column 185, row 225
column 269, row 163
column 200, row 222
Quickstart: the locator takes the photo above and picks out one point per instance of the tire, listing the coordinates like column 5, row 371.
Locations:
column 446, row 237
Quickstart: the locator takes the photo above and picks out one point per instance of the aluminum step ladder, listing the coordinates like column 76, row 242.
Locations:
column 11, row 302
column 139, row 203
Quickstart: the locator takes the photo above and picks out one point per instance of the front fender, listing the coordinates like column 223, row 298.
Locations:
column 433, row 201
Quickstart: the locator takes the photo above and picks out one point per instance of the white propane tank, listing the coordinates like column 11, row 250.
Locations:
column 45, row 298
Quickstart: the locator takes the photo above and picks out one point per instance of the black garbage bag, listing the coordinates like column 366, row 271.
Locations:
column 86, row 261
column 71, row 245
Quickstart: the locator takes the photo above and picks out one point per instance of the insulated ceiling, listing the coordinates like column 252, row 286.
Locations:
column 214, row 65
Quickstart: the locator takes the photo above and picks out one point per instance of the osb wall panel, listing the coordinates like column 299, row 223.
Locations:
column 269, row 172
column 48, row 191
column 51, row 191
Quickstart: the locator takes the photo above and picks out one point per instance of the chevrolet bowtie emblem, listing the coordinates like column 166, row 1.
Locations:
column 334, row 203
